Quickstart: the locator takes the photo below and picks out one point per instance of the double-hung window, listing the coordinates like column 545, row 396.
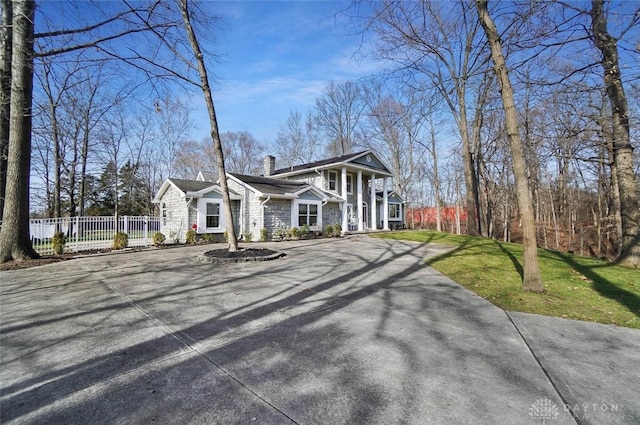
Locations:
column 394, row 211
column 350, row 184
column 333, row 181
column 308, row 214
column 213, row 215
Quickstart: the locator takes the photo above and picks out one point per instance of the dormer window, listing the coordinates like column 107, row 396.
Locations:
column 333, row 180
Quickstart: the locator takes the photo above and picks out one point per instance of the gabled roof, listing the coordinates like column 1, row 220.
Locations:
column 269, row 185
column 337, row 161
column 190, row 188
column 207, row 176
column 380, row 194
column 280, row 188
column 191, row 185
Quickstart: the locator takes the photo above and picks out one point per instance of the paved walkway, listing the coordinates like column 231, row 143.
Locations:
column 349, row 331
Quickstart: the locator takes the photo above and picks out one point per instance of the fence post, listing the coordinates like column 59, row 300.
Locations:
column 77, row 232
column 146, row 230
column 126, row 224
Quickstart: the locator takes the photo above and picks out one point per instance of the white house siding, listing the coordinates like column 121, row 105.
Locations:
column 277, row 214
column 177, row 215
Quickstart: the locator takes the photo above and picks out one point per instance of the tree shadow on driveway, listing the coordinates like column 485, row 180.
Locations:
column 350, row 332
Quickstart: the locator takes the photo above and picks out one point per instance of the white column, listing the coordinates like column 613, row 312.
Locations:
column 345, row 212
column 385, row 205
column 360, row 226
column 374, row 205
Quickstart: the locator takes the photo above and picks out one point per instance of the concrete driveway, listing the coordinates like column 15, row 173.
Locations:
column 348, row 331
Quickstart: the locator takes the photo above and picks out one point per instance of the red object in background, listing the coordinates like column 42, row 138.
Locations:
column 194, row 226
column 427, row 215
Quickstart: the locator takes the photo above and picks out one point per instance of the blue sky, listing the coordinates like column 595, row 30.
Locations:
column 276, row 57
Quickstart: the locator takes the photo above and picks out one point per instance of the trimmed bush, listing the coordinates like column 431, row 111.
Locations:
column 337, row 229
column 158, row 239
column 280, row 234
column 304, row 231
column 58, row 241
column 209, row 237
column 191, row 237
column 226, row 236
column 120, row 240
column 247, row 236
column 264, row 235
column 294, row 233
column 328, row 231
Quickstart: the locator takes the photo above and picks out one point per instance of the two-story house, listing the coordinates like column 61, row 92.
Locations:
column 350, row 190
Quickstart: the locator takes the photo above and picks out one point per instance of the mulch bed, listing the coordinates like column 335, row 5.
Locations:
column 241, row 255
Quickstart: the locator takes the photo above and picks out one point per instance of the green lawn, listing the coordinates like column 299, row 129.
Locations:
column 575, row 287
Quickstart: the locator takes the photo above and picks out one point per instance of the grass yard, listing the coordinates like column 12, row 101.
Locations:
column 576, row 287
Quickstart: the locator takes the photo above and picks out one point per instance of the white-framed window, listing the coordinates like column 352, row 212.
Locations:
column 394, row 210
column 212, row 219
column 350, row 184
column 333, row 180
column 308, row 214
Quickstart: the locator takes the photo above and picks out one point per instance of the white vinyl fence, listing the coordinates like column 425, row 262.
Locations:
column 92, row 233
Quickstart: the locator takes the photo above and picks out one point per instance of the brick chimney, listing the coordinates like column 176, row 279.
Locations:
column 269, row 165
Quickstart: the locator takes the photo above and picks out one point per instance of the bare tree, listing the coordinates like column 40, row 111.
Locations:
column 622, row 147
column 5, row 92
column 531, row 279
column 174, row 124
column 436, row 49
column 194, row 156
column 15, row 242
column 213, row 120
column 243, row 153
column 338, row 113
column 297, row 141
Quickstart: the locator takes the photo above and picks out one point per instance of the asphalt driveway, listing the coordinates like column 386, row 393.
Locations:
column 347, row 331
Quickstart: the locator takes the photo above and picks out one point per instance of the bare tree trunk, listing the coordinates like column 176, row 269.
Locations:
column 436, row 177
column 15, row 241
column 531, row 280
column 471, row 178
column 215, row 134
column 5, row 94
column 622, row 148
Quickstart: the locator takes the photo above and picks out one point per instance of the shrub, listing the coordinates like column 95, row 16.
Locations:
column 304, row 231
column 294, row 232
column 191, row 236
column 264, row 235
column 337, row 229
column 209, row 237
column 158, row 239
column 120, row 240
column 226, row 236
column 280, row 234
column 247, row 236
column 58, row 241
column 328, row 231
